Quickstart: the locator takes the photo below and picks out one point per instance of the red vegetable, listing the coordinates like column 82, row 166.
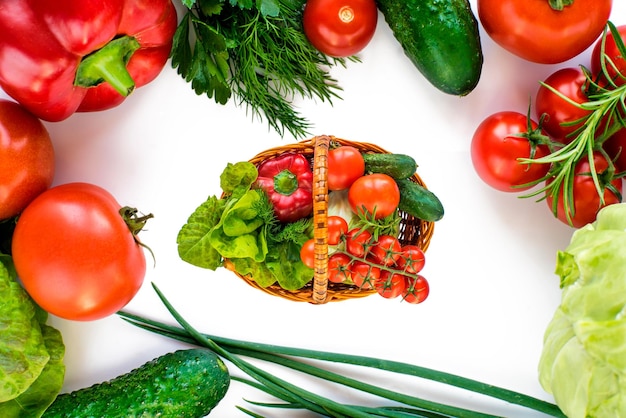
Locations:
column 57, row 58
column 288, row 181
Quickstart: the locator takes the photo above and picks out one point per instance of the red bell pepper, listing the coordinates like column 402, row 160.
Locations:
column 288, row 181
column 60, row 57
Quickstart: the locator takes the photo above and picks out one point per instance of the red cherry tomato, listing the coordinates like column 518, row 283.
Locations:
column 75, row 254
column 386, row 251
column 345, row 165
column 307, row 253
column 364, row 275
column 358, row 242
column 412, row 259
column 615, row 146
column 337, row 228
column 534, row 31
column 417, row 290
column 377, row 194
column 339, row 268
column 496, row 149
column 613, row 58
column 340, row 28
column 586, row 201
column 390, row 285
column 563, row 118
column 26, row 158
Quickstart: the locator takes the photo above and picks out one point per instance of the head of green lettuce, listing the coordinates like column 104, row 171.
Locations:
column 583, row 363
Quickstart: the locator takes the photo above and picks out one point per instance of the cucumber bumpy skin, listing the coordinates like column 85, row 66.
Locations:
column 419, row 202
column 398, row 166
column 182, row 384
column 441, row 38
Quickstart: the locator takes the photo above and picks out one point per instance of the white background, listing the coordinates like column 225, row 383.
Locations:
column 490, row 263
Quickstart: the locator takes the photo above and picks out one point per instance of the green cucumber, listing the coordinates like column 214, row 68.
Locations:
column 183, row 383
column 398, row 166
column 418, row 201
column 441, row 38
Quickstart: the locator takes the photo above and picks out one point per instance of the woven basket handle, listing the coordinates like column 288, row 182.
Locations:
column 320, row 217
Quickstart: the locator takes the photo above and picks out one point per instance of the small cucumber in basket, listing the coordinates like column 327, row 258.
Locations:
column 418, row 201
column 441, row 38
column 398, row 166
column 183, row 383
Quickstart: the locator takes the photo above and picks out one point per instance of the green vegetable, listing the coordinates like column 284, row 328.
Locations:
column 31, row 352
column 295, row 397
column 583, row 362
column 441, row 38
column 398, row 166
column 185, row 383
column 257, row 52
column 419, row 202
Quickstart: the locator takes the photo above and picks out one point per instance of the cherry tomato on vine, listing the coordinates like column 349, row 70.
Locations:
column 417, row 290
column 364, row 275
column 496, row 149
column 26, row 158
column 586, row 201
column 358, row 242
column 75, row 253
column 337, row 228
column 377, row 193
column 533, row 30
column 339, row 267
column 307, row 253
column 386, row 251
column 340, row 28
column 613, row 58
column 345, row 165
column 390, row 285
column 412, row 259
column 563, row 118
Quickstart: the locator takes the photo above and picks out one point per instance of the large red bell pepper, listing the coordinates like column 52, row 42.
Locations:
column 62, row 56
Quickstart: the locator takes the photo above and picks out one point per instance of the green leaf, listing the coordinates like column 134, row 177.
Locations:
column 258, row 271
column 237, row 178
column 211, row 7
column 181, row 50
column 23, row 354
column 268, row 7
column 244, row 4
column 194, row 245
column 188, row 3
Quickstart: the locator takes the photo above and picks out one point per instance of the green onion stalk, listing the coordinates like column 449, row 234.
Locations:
column 295, row 397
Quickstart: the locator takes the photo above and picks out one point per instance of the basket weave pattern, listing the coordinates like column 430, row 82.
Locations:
column 320, row 290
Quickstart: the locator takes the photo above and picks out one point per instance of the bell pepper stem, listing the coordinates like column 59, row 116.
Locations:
column 109, row 64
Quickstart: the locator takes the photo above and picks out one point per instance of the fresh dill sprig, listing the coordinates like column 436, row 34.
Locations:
column 256, row 53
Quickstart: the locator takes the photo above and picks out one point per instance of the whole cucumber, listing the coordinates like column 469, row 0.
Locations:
column 441, row 38
column 184, row 383
column 418, row 201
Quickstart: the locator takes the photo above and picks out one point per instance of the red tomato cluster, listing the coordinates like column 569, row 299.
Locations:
column 588, row 165
column 383, row 264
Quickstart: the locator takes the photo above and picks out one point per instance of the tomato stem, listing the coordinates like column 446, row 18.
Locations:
column 135, row 225
column 560, row 4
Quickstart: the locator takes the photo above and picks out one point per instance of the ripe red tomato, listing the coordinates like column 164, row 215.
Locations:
column 617, row 61
column 75, row 254
column 340, row 28
column 345, row 165
column 339, row 267
column 386, row 251
column 307, row 253
column 26, row 158
column 412, row 259
column 570, row 82
column 615, row 146
column 417, row 290
column 532, row 30
column 337, row 228
column 377, row 193
column 390, row 285
column 364, row 275
column 586, row 201
column 496, row 149
column 358, row 242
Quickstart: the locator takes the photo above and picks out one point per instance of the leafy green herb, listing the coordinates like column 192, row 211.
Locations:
column 31, row 352
column 257, row 52
column 299, row 398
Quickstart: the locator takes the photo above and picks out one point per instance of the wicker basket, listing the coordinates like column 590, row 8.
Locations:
column 320, row 290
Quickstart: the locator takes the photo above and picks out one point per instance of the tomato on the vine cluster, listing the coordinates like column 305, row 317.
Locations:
column 340, row 28
column 614, row 62
column 27, row 163
column 75, row 253
column 498, row 143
